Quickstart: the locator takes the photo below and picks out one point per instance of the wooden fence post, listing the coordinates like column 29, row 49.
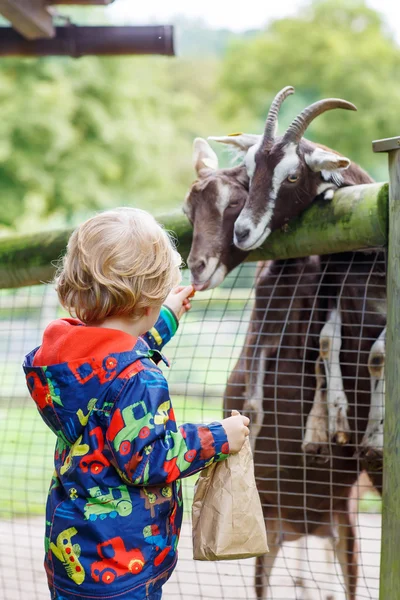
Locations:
column 390, row 553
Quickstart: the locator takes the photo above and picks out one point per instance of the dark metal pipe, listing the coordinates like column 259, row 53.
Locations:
column 76, row 41
column 81, row 2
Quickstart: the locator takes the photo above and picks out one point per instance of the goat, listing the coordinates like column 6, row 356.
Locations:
column 213, row 200
column 356, row 285
column 287, row 174
column 297, row 500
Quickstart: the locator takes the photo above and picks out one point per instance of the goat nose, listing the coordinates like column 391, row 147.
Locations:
column 242, row 234
column 199, row 266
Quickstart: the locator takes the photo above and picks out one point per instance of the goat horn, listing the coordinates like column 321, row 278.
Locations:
column 270, row 124
column 296, row 130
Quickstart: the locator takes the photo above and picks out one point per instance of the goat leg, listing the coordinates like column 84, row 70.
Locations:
column 330, row 345
column 371, row 447
column 316, row 440
column 253, row 405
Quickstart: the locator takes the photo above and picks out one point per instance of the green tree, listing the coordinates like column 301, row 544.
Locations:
column 331, row 48
column 98, row 132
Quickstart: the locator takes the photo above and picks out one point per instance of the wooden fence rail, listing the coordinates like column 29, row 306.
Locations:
column 355, row 219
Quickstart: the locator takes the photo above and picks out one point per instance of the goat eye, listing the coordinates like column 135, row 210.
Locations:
column 233, row 204
column 293, row 178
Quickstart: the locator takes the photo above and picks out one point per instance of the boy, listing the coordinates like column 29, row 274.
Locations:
column 114, row 509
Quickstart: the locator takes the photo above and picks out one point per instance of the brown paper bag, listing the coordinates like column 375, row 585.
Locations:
column 227, row 517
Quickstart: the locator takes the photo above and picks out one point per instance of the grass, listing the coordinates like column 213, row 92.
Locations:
column 27, row 446
column 202, row 353
column 26, row 457
column 370, row 502
column 26, row 461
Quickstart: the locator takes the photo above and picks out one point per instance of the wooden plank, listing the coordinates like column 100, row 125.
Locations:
column 29, row 17
column 356, row 218
column 390, row 554
column 386, row 144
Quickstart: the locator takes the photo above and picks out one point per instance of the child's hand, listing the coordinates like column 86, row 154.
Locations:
column 236, row 429
column 179, row 300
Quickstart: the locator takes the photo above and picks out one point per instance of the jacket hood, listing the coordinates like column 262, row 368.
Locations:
column 78, row 364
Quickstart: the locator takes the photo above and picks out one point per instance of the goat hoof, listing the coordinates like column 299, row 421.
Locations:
column 342, row 438
column 374, row 454
column 316, row 453
column 372, row 458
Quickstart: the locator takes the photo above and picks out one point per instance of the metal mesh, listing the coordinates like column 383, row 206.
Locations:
column 309, row 520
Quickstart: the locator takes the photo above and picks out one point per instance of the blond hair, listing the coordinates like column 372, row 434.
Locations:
column 118, row 263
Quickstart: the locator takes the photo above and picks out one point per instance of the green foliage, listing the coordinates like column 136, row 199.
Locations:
column 76, row 136
column 27, row 450
column 331, row 48
column 95, row 133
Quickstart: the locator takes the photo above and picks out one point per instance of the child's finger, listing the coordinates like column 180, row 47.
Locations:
column 185, row 292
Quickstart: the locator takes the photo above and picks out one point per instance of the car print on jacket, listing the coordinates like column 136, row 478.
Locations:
column 116, row 502
column 96, row 461
column 116, row 561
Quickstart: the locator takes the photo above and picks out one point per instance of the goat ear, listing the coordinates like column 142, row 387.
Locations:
column 323, row 160
column 242, row 141
column 204, row 156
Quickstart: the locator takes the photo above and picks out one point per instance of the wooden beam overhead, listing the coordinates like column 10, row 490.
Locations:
column 75, row 41
column 33, row 20
column 29, row 17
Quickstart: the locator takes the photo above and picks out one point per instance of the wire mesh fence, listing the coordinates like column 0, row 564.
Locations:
column 264, row 339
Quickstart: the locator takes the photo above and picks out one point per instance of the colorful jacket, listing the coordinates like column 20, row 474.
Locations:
column 114, row 509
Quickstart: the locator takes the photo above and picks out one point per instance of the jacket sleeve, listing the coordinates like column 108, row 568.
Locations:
column 146, row 446
column 164, row 329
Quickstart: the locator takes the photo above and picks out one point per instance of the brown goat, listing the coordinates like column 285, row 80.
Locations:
column 287, row 174
column 298, row 499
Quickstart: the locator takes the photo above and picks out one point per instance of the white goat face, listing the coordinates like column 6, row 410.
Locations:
column 284, row 180
column 286, row 173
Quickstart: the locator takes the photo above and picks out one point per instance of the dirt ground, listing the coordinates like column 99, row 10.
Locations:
column 22, row 576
